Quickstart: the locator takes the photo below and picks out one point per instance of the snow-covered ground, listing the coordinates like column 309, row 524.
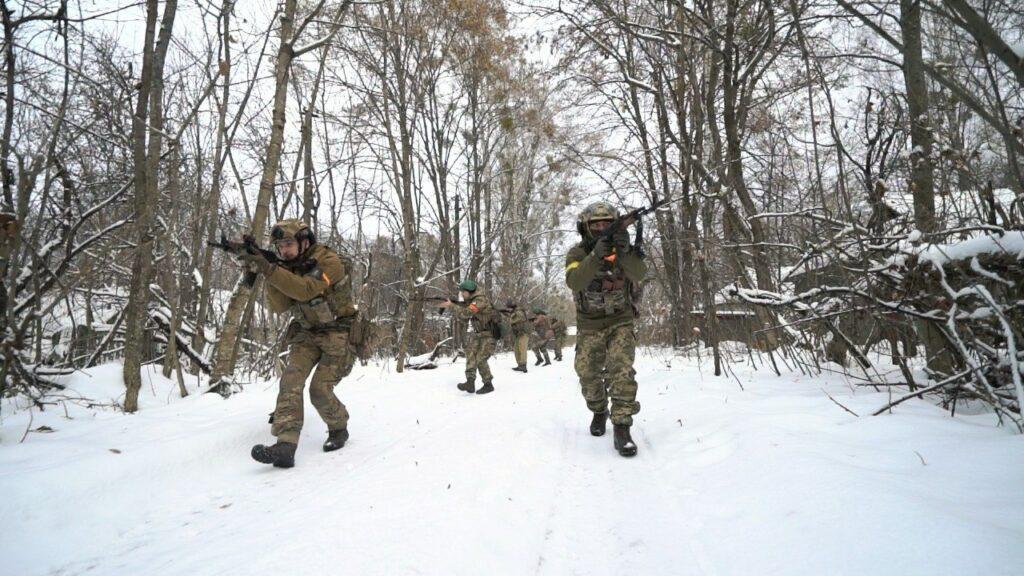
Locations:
column 771, row 479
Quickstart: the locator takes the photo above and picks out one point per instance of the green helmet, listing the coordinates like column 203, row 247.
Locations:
column 292, row 228
column 594, row 212
column 468, row 285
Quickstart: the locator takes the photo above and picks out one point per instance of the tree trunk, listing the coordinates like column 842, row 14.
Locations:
column 213, row 200
column 224, row 357
column 147, row 164
column 922, row 185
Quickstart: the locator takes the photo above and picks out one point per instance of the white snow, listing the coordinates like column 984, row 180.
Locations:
column 772, row 479
column 1012, row 242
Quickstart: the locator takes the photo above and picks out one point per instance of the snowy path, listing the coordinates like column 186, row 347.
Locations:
column 775, row 479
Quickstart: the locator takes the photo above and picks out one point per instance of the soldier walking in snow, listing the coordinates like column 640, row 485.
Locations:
column 315, row 284
column 542, row 335
column 560, row 331
column 520, row 335
column 484, row 330
column 603, row 273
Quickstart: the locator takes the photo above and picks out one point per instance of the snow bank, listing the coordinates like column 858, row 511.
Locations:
column 1011, row 242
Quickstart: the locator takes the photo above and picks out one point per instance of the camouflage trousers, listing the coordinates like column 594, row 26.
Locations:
column 522, row 343
column 332, row 356
column 539, row 345
column 557, row 344
column 604, row 363
column 479, row 348
column 540, row 350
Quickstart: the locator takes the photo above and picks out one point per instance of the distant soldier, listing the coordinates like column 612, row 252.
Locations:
column 315, row 284
column 520, row 334
column 542, row 336
column 483, row 333
column 560, row 330
column 603, row 273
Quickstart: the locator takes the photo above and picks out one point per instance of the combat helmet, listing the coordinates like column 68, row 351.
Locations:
column 593, row 213
column 292, row 228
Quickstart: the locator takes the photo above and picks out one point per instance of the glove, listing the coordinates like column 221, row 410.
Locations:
column 257, row 261
column 621, row 241
column 602, row 248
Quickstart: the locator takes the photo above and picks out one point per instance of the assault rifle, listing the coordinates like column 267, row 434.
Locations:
column 628, row 219
column 455, row 301
column 246, row 244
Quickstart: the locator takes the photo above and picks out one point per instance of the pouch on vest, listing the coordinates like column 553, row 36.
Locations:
column 317, row 311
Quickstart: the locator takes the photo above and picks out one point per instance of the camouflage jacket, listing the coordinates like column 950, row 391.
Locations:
column 542, row 328
column 602, row 289
column 316, row 287
column 520, row 324
column 559, row 327
column 479, row 312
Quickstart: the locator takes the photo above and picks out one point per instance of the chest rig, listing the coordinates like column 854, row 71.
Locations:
column 608, row 293
column 331, row 310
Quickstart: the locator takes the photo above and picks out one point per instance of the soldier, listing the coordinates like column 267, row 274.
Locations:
column 560, row 332
column 542, row 336
column 480, row 342
column 314, row 283
column 603, row 273
column 520, row 334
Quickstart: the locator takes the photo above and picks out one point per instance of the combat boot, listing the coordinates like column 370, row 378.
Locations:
column 520, row 368
column 597, row 425
column 335, row 439
column 486, row 388
column 623, row 441
column 281, row 454
column 467, row 387
column 539, row 361
column 547, row 361
column 558, row 358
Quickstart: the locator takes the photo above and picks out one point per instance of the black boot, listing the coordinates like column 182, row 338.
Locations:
column 539, row 361
column 558, row 358
column 486, row 388
column 520, row 368
column 467, row 387
column 281, row 454
column 335, row 439
column 547, row 361
column 623, row 441
column 597, row 425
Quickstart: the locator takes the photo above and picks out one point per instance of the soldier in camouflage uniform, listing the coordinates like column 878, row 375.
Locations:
column 542, row 336
column 314, row 283
column 603, row 273
column 560, row 331
column 520, row 335
column 481, row 337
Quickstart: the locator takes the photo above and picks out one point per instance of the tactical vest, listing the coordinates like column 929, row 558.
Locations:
column 333, row 308
column 520, row 325
column 609, row 293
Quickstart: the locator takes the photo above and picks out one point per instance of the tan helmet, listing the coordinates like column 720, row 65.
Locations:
column 593, row 213
column 292, row 228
